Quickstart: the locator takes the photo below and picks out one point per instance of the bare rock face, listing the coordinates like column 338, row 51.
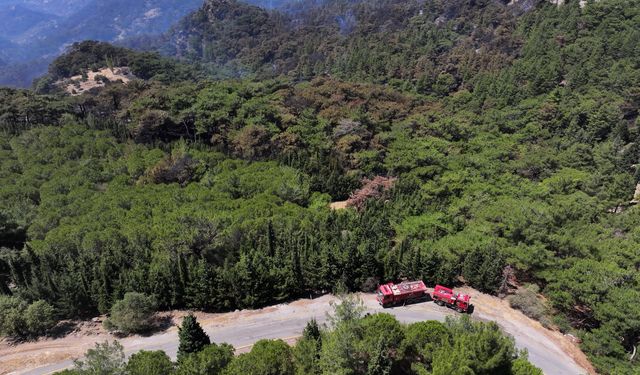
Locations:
column 636, row 195
column 533, row 2
column 525, row 6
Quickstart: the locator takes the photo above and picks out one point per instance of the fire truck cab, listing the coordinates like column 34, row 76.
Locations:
column 444, row 296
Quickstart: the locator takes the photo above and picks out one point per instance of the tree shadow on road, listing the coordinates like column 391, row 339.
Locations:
column 160, row 324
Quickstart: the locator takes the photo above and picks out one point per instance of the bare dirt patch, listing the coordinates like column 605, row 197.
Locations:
column 339, row 205
column 77, row 85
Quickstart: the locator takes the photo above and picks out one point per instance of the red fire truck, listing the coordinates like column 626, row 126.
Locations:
column 391, row 294
column 444, row 296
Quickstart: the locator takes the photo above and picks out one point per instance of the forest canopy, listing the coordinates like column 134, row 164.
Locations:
column 516, row 162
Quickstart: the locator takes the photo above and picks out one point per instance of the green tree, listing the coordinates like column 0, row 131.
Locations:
column 521, row 366
column 381, row 328
column 149, row 363
column 267, row 357
column 192, row 337
column 339, row 353
column 20, row 319
column 211, row 360
column 39, row 317
column 311, row 330
column 132, row 314
column 306, row 353
column 12, row 316
column 482, row 268
column 104, row 359
column 421, row 341
column 380, row 363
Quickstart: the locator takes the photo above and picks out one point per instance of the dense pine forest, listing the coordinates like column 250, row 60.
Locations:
column 507, row 135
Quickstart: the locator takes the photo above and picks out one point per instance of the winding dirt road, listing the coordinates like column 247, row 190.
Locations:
column 549, row 350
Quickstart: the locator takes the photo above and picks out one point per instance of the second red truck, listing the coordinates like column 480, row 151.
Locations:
column 391, row 294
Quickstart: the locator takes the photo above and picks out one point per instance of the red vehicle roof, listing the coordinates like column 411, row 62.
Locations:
column 443, row 290
column 385, row 289
column 404, row 287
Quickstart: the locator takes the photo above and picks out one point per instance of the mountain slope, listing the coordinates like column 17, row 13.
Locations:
column 18, row 19
column 351, row 39
column 57, row 7
column 39, row 36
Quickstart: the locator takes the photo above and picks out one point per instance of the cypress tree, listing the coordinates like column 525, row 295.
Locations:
column 311, row 331
column 192, row 337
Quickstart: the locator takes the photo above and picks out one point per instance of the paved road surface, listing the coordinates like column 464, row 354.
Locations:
column 243, row 328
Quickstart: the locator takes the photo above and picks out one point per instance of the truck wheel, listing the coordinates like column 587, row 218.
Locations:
column 459, row 310
column 439, row 303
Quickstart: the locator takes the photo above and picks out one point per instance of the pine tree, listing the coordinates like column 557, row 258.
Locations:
column 380, row 363
column 192, row 337
column 311, row 331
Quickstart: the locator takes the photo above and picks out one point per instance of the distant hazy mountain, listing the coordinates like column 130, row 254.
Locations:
column 19, row 19
column 270, row 4
column 56, row 7
column 38, row 30
column 113, row 20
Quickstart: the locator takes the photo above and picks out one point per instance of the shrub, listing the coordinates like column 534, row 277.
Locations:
column 100, row 78
column 11, row 316
column 105, row 358
column 39, row 317
column 267, row 357
column 526, row 300
column 20, row 319
column 211, row 360
column 521, row 366
column 131, row 314
column 150, row 363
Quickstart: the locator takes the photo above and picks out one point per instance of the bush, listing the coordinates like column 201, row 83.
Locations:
column 150, row 363
column 267, row 357
column 521, row 366
column 39, row 317
column 105, row 358
column 526, row 300
column 11, row 316
column 211, row 360
column 20, row 319
column 100, row 78
column 131, row 314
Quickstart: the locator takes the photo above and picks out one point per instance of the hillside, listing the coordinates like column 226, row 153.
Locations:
column 36, row 35
column 55, row 7
column 510, row 130
column 350, row 39
column 18, row 19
